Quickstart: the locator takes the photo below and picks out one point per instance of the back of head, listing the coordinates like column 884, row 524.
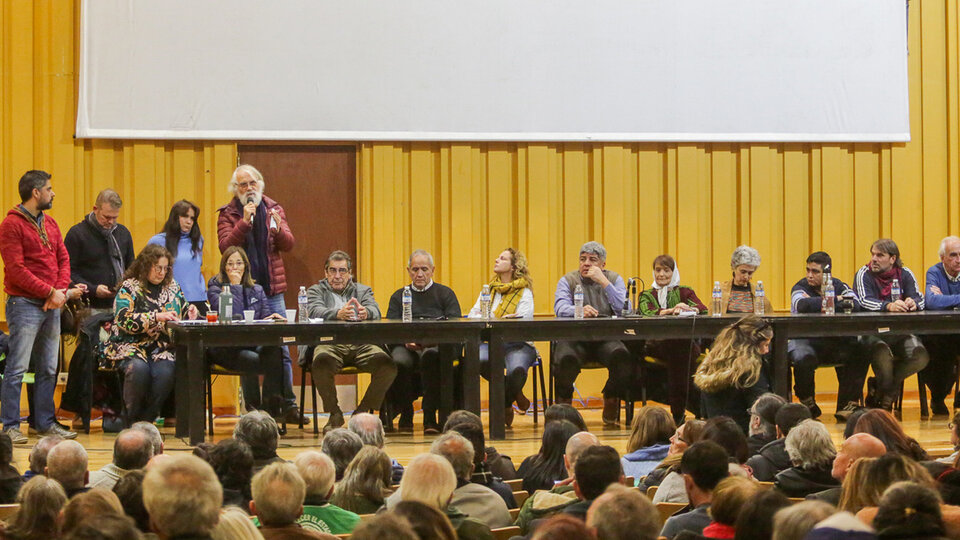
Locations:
column 428, row 522
column 886, row 471
column 884, row 426
column 90, row 505
column 790, row 415
column 623, row 514
column 132, row 449
column 729, row 498
column 182, row 496
column 852, row 421
column 278, row 493
column 317, row 471
column 368, row 427
column 706, row 463
column 457, row 450
column 596, row 468
column 259, row 430
column 766, row 407
column 548, row 465
column 367, row 476
column 428, row 479
column 474, row 434
column 39, row 452
column 794, row 522
column 564, row 411
column 561, row 527
column 235, row 524
column 810, row 446
column 151, row 431
column 854, row 491
column 461, row 416
column 385, row 525
column 724, row 431
column 129, row 490
column 105, row 527
column 41, row 499
column 341, row 445
column 755, row 520
column 909, row 510
column 67, row 464
column 576, row 444
column 652, row 425
column 232, row 460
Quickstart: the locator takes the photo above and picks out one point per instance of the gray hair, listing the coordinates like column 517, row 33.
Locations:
column 744, row 255
column 457, row 450
column 67, row 464
column 317, row 471
column 795, row 521
column 110, row 197
column 341, row 445
column 809, row 445
column 183, row 496
column 429, row 479
column 422, row 253
column 259, row 430
column 624, row 513
column 38, row 454
column 368, row 427
column 151, row 431
column 278, row 493
column 254, row 174
column 943, row 244
column 594, row 248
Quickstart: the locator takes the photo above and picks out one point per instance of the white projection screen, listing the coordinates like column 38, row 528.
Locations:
column 486, row 70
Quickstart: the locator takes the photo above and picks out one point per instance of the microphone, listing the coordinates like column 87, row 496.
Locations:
column 250, row 199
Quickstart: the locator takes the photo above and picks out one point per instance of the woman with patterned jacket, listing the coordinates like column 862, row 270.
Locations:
column 139, row 344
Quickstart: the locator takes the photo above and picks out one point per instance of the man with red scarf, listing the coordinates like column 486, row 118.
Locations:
column 894, row 358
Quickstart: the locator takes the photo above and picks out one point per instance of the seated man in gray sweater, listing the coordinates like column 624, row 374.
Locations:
column 703, row 465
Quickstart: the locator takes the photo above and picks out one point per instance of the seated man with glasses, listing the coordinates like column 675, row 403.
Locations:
column 338, row 297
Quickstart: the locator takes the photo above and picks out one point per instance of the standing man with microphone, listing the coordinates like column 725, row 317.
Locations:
column 257, row 223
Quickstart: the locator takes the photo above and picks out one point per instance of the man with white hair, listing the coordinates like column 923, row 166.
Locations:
column 38, row 455
column 942, row 294
column 370, row 430
column 278, row 495
column 67, row 464
column 319, row 515
column 476, row 501
column 812, row 453
column 151, row 431
column 183, row 497
column 430, row 479
column 859, row 445
column 623, row 514
column 604, row 294
column 258, row 224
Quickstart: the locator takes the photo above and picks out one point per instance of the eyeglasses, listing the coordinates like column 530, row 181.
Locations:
column 159, row 268
column 332, row 270
column 245, row 185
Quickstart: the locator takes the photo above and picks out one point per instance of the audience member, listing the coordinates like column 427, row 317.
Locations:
column 342, row 445
column 385, row 525
column 366, row 482
column 868, row 478
column 773, row 457
column 129, row 490
column 235, row 524
column 564, row 411
column 755, row 520
column 685, row 435
column 132, row 449
column 232, row 461
column 954, row 427
column 795, row 521
column 38, row 455
column 884, row 426
column 542, row 469
column 481, row 475
column 501, row 466
column 428, row 522
column 369, row 428
column 852, row 421
column 703, row 466
column 182, row 238
column 623, row 514
column 259, row 430
column 41, row 500
column 10, row 479
column 729, row 497
column 317, row 471
column 151, row 431
column 67, row 464
column 183, row 497
column 723, row 431
column 430, row 479
column 841, row 526
column 562, row 527
column 763, row 421
column 811, row 452
column 858, row 446
column 909, row 510
column 93, row 504
column 105, row 527
column 649, row 441
column 278, row 494
column 597, row 468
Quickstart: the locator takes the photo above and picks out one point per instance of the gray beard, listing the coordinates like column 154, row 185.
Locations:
column 256, row 196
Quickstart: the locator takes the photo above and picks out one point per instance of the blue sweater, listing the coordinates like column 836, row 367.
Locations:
column 937, row 277
column 186, row 267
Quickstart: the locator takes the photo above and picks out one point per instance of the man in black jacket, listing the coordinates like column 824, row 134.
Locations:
column 100, row 250
column 846, row 353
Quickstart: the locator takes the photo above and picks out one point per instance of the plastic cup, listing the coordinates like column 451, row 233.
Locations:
column 211, row 316
column 291, row 315
column 248, row 315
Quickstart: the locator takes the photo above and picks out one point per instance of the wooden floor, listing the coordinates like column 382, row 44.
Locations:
column 522, row 440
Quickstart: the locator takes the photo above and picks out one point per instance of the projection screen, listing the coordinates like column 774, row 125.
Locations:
column 486, row 70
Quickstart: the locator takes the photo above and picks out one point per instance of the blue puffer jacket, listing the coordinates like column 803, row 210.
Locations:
column 640, row 462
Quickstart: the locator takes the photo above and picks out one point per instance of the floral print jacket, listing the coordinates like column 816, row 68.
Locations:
column 136, row 333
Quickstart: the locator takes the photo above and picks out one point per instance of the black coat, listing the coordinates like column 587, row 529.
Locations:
column 90, row 259
column 771, row 460
column 799, row 482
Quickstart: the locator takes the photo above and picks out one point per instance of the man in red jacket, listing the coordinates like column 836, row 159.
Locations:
column 36, row 279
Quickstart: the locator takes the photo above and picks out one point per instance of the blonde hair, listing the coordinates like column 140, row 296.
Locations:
column 868, row 478
column 235, row 524
column 734, row 360
column 182, row 495
column 651, row 425
column 278, row 493
column 429, row 479
column 853, row 492
column 521, row 269
column 794, row 522
column 317, row 471
column 730, row 496
column 41, row 500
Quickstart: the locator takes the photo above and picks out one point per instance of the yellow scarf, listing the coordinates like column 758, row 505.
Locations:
column 510, row 295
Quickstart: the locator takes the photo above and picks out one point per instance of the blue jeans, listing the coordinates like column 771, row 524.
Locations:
column 279, row 306
column 33, row 333
column 518, row 357
column 146, row 385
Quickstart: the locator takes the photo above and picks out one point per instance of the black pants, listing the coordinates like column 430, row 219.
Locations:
column 734, row 402
column 941, row 373
column 418, row 373
column 853, row 359
column 255, row 361
column 679, row 356
column 570, row 356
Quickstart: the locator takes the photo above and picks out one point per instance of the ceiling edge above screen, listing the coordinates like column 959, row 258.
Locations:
column 497, row 70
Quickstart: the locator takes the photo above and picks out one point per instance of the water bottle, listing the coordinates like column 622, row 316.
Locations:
column 578, row 302
column 823, row 292
column 225, row 313
column 407, row 304
column 485, row 302
column 717, row 299
column 758, row 299
column 626, row 308
column 303, row 314
column 895, row 290
column 830, row 298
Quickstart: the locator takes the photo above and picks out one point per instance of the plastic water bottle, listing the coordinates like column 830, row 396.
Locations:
column 717, row 299
column 758, row 299
column 407, row 304
column 830, row 298
column 578, row 302
column 823, row 291
column 303, row 314
column 485, row 302
column 225, row 313
column 895, row 290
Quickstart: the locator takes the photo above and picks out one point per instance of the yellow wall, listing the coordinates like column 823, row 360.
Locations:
column 465, row 202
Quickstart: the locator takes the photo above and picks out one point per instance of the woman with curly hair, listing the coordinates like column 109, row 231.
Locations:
column 511, row 296
column 731, row 377
column 139, row 344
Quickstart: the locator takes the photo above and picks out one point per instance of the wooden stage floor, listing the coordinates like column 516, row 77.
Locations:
column 522, row 440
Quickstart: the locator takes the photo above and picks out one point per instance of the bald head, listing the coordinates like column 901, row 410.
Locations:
column 368, row 427
column 859, row 445
column 67, row 464
column 575, row 446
